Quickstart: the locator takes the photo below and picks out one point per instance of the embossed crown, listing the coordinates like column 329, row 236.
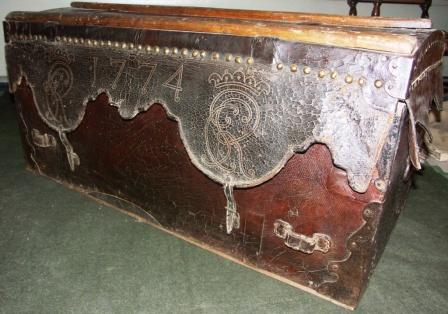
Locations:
column 60, row 54
column 240, row 78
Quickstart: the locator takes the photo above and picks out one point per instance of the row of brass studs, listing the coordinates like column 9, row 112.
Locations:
column 333, row 75
column 185, row 53
column 154, row 49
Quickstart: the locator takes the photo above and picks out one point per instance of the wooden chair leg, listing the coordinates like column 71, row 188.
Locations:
column 376, row 8
column 352, row 4
column 425, row 7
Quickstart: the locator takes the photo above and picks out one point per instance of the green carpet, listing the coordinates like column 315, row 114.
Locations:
column 61, row 252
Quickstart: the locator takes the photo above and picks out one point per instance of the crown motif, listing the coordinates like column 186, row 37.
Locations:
column 240, row 78
column 60, row 54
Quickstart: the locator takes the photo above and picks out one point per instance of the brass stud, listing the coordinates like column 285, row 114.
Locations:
column 139, row 47
column 321, row 74
column 95, row 43
column 89, row 42
column 215, row 56
column 75, row 40
column 156, row 49
column 102, row 43
column 238, row 59
column 70, row 40
column 203, row 54
column 175, row 51
column 380, row 185
column 368, row 213
column 334, row 267
column 148, row 48
column 131, row 46
column 378, row 83
column 348, row 79
column 228, row 57
column 250, row 60
column 81, row 40
column 353, row 245
column 116, row 44
column 185, row 52
column 361, row 81
column 124, row 46
column 333, row 75
column 166, row 50
column 307, row 70
column 195, row 53
column 293, row 68
column 57, row 38
column 279, row 66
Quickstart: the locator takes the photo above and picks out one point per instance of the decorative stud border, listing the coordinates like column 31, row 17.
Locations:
column 194, row 54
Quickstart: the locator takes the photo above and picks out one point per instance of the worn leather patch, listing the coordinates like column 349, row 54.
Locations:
column 240, row 118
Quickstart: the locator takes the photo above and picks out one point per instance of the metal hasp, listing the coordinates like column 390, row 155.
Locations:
column 299, row 242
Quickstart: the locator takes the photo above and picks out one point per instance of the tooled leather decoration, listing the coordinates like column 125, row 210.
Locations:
column 240, row 121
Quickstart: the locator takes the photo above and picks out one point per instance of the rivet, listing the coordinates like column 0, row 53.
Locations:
column 333, row 75
column 293, row 68
column 250, row 60
column 123, row 45
column 131, row 46
column 321, row 74
column 228, row 57
column 102, row 43
column 348, row 79
column 166, row 50
column 215, row 56
column 116, row 44
column 40, row 37
column 380, row 185
column 89, row 42
column 63, row 38
column 95, row 43
column 184, row 51
column 238, row 59
column 195, row 53
column 203, row 54
column 307, row 70
column 109, row 43
column 368, row 213
column 361, row 81
column 75, row 40
column 139, row 47
column 354, row 245
column 378, row 83
column 70, row 40
column 81, row 40
column 156, row 49
column 35, row 37
column 175, row 51
column 148, row 48
column 334, row 267
column 57, row 38
column 279, row 66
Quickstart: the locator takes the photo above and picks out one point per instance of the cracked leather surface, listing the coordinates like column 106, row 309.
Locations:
column 240, row 123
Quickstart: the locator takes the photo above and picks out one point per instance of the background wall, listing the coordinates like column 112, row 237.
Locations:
column 438, row 11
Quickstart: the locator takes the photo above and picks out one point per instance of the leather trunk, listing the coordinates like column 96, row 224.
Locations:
column 283, row 141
